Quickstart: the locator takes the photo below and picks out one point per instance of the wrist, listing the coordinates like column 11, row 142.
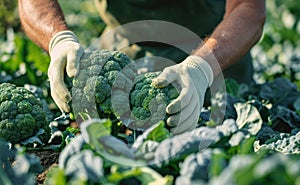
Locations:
column 60, row 37
column 199, row 63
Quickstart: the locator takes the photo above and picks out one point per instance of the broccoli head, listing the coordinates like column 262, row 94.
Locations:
column 148, row 103
column 107, row 87
column 91, row 89
column 21, row 114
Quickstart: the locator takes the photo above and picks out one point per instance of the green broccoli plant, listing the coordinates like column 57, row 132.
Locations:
column 21, row 114
column 107, row 87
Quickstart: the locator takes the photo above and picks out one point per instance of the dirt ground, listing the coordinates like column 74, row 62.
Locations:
column 49, row 159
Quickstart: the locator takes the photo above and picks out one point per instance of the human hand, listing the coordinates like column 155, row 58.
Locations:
column 194, row 75
column 65, row 53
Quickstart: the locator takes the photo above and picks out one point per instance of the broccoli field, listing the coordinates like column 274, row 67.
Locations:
column 256, row 143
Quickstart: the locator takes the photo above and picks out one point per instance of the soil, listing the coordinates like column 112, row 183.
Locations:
column 49, row 159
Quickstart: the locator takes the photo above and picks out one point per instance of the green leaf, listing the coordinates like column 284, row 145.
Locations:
column 85, row 166
column 4, row 179
column 96, row 128
column 56, row 176
column 156, row 132
column 280, row 92
column 246, row 175
column 159, row 133
column 297, row 104
column 232, row 87
column 248, row 118
column 217, row 163
column 37, row 57
column 286, row 116
column 145, row 175
column 247, row 146
column 96, row 132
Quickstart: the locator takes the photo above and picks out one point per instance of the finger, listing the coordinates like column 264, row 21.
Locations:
column 62, row 105
column 180, row 102
column 56, row 76
column 165, row 78
column 73, row 59
column 128, row 72
column 184, row 114
column 189, row 124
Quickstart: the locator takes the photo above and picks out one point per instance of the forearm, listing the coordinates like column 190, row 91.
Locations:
column 240, row 29
column 41, row 20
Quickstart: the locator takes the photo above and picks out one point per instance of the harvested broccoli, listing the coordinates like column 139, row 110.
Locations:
column 107, row 87
column 148, row 104
column 21, row 114
column 92, row 88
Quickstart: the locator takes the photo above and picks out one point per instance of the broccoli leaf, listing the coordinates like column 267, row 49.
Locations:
column 141, row 175
column 85, row 166
column 56, row 176
column 156, row 132
column 23, row 170
column 96, row 134
column 288, row 116
column 232, row 87
column 248, row 118
column 195, row 167
column 4, row 179
column 297, row 104
column 180, row 146
column 75, row 146
column 280, row 92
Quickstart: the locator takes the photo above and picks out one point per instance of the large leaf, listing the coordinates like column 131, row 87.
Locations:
column 180, row 146
column 287, row 116
column 248, row 118
column 156, row 132
column 56, row 176
column 24, row 168
column 145, row 176
column 96, row 132
column 75, row 146
column 85, row 166
column 280, row 92
column 4, row 179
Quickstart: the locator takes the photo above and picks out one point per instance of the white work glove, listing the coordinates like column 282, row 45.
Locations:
column 194, row 75
column 65, row 53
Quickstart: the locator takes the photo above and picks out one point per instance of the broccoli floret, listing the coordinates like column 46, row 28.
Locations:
column 21, row 114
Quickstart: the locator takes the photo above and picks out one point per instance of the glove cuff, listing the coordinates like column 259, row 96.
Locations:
column 62, row 36
column 198, row 62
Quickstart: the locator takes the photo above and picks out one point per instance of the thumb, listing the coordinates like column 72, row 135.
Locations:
column 168, row 76
column 73, row 60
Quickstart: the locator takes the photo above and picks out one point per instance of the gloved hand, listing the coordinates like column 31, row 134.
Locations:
column 194, row 75
column 65, row 53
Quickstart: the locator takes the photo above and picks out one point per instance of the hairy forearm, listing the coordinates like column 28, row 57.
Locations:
column 240, row 29
column 41, row 20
